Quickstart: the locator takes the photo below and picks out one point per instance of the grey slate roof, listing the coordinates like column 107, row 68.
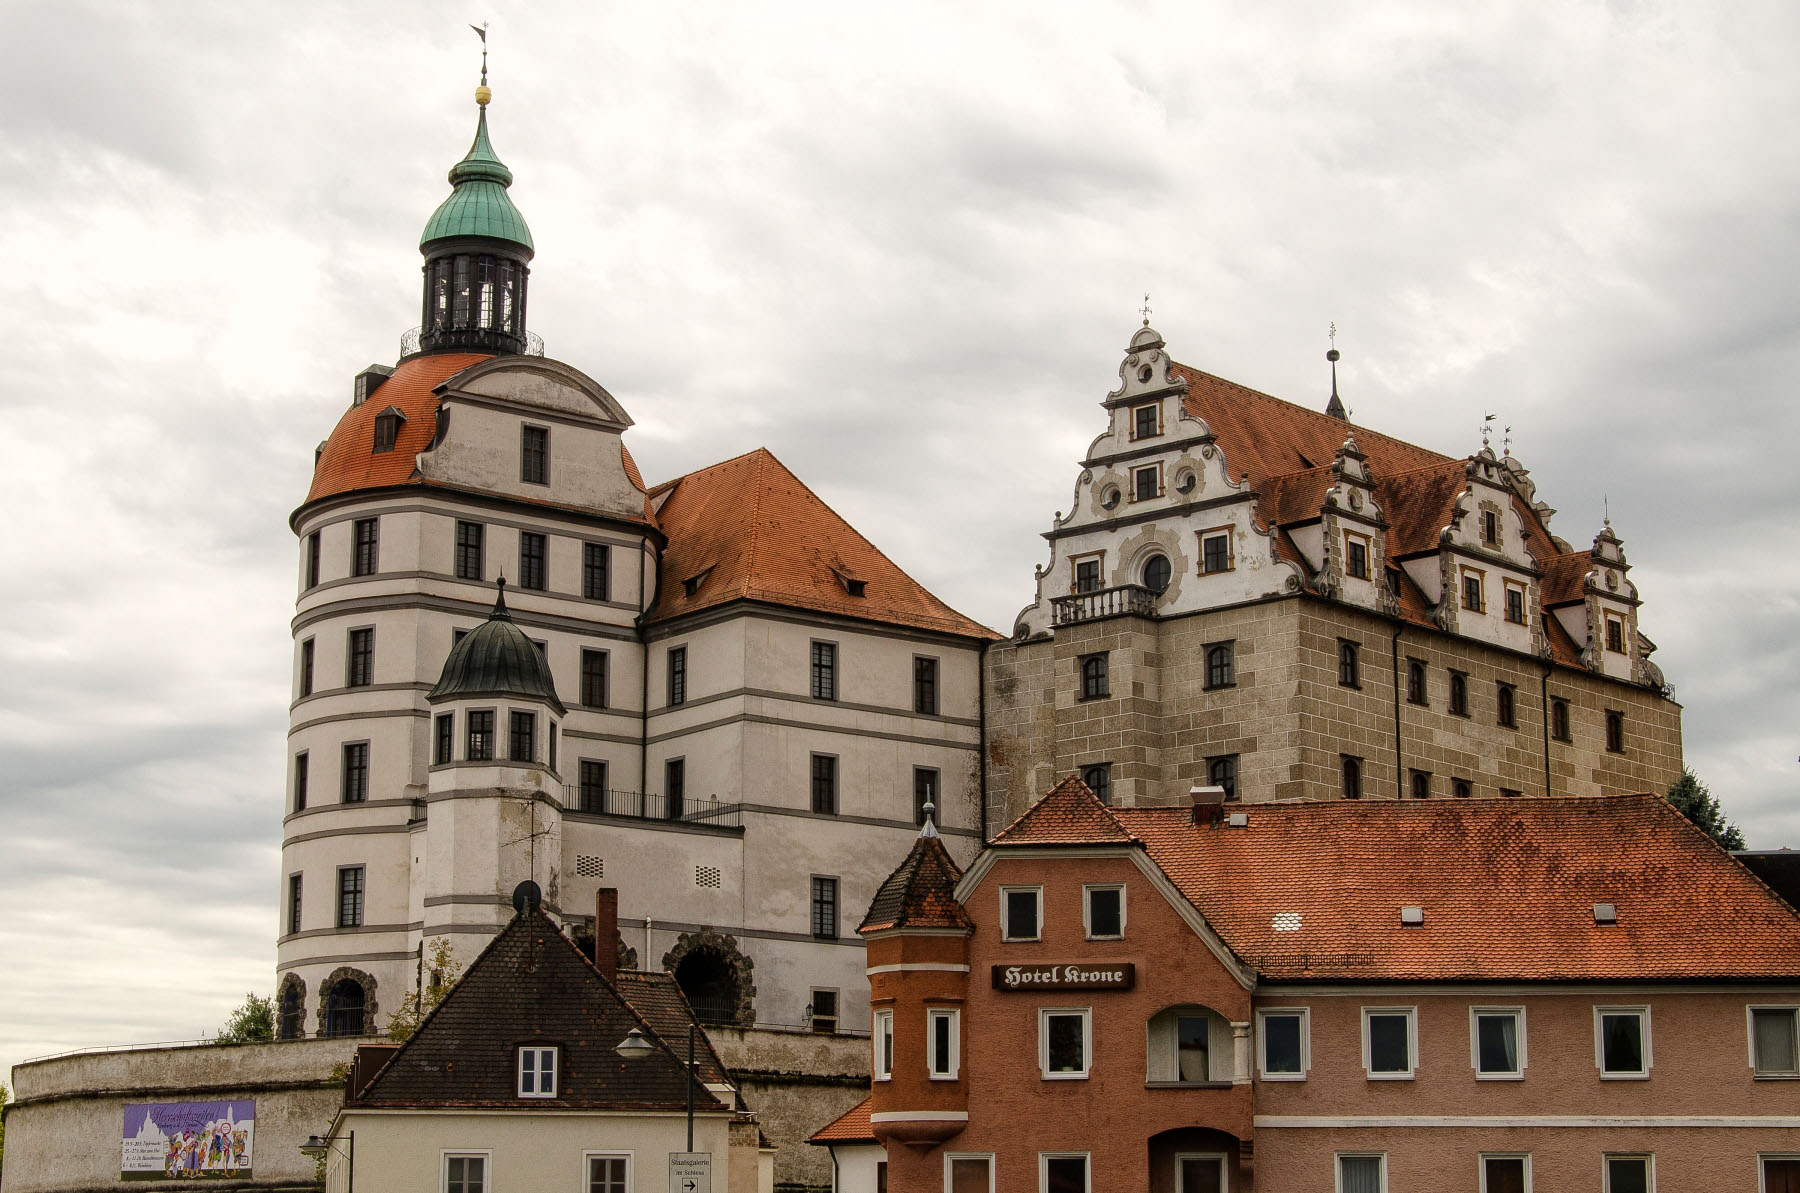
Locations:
column 496, row 659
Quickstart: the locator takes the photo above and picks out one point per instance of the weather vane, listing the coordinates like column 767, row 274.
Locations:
column 481, row 32
column 1146, row 310
column 1487, row 429
column 1506, row 443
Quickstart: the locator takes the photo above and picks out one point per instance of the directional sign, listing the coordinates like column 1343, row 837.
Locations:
column 690, row 1172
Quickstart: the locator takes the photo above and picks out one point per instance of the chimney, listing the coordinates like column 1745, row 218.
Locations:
column 606, row 931
column 1209, row 804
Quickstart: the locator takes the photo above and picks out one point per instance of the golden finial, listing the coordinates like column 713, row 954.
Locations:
column 482, row 93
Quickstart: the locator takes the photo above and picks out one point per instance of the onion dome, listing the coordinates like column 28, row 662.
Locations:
column 496, row 659
column 479, row 206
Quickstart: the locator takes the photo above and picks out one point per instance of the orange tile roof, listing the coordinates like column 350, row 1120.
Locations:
column 1565, row 577
column 1070, row 814
column 852, row 1126
column 755, row 532
column 1415, row 606
column 920, row 893
column 350, row 461
column 1294, row 496
column 1418, row 504
column 1563, row 648
column 1508, row 888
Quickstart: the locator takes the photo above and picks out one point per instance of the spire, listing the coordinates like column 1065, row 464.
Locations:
column 1335, row 407
column 500, row 612
column 928, row 829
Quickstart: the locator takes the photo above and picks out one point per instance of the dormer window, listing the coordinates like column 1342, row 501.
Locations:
column 537, row 1072
column 1215, row 550
column 692, row 584
column 1144, row 422
column 851, row 584
column 1472, row 598
column 387, row 429
column 1615, row 634
column 1515, row 603
column 1490, row 528
column 1356, row 556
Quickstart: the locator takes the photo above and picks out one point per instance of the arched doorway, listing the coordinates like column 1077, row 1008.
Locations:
column 715, row 976
column 290, row 1009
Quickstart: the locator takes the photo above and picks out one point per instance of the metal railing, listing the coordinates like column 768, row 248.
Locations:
column 649, row 805
column 1126, row 600
column 409, row 342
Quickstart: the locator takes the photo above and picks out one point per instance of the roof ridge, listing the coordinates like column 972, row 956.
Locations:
column 1357, row 428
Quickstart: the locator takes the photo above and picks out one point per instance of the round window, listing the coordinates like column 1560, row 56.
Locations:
column 1109, row 497
column 1156, row 573
column 1185, row 481
column 1144, row 374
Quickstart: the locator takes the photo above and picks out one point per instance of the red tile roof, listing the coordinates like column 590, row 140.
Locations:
column 350, row 461
column 1418, row 504
column 920, row 893
column 852, row 1126
column 1508, row 888
column 1565, row 577
column 1070, row 814
column 753, row 531
column 1294, row 496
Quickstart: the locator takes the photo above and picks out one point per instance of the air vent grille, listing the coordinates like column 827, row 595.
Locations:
column 707, row 876
column 589, row 866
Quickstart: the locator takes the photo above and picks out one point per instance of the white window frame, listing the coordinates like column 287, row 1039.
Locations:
column 538, row 1050
column 952, row 1156
column 1044, row 1158
column 1006, row 933
column 1518, row 1014
column 1337, row 1167
column 630, row 1159
column 1412, row 1043
column 464, row 1153
column 1224, row 1169
column 882, row 1034
column 1756, row 1070
column 1262, row 1055
column 1087, row 926
column 1087, row 1044
column 1482, row 1163
column 1649, row 1159
column 1642, row 1011
column 954, row 1015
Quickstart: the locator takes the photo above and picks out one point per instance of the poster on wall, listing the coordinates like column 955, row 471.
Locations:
column 185, row 1141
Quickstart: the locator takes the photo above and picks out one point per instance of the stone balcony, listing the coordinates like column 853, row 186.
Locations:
column 1124, row 600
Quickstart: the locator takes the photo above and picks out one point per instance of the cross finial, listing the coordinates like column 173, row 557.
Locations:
column 1145, row 311
column 481, row 32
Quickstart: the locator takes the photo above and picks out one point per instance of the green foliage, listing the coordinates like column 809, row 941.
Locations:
column 1691, row 798
column 252, row 1023
column 441, row 970
column 5, row 1097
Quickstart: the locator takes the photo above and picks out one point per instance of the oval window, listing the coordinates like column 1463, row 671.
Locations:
column 1156, row 574
column 1185, row 481
column 1109, row 498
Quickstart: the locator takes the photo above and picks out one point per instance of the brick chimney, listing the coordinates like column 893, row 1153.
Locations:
column 606, row 931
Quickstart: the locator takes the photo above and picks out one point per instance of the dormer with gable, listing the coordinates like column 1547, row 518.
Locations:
column 1596, row 604
column 1344, row 542
column 1486, row 578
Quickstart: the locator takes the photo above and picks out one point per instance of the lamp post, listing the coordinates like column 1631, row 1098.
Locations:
column 315, row 1148
column 635, row 1046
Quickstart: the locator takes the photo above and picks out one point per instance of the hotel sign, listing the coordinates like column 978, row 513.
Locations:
column 1093, row 975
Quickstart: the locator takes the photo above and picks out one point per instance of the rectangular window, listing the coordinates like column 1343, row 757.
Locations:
column 968, row 1174
column 481, row 735
column 1144, row 422
column 1472, row 598
column 824, row 1008
column 824, row 671
column 596, row 568
column 824, row 784
column 1064, row 1043
column 1192, row 1034
column 1146, row 482
column 593, row 678
column 825, row 908
column 1490, row 527
column 882, row 1045
column 1021, row 912
column 1104, row 908
column 1087, row 575
column 1615, row 731
column 1497, row 1042
column 675, row 788
column 1774, row 1041
column 608, row 1174
column 1615, row 634
column 465, row 1174
column 677, row 686
column 1221, row 665
column 1780, row 1174
column 1215, row 551
column 925, row 791
column 302, row 766
column 1515, row 603
column 1063, row 1174
column 537, row 1072
column 1093, row 677
column 1098, row 778
column 356, row 772
column 531, row 560
column 1559, row 719
column 306, row 668
column 293, row 916
column 312, row 560
column 1282, row 1032
column 1390, row 1043
column 592, row 792
column 943, row 1043
column 469, row 537
column 1506, row 1174
column 925, row 679
column 443, row 741
column 366, row 556
column 359, row 668
column 1630, row 1174
column 522, row 746
column 534, row 455
column 1362, row 1174
column 1356, row 556
column 350, row 897
column 1622, row 1042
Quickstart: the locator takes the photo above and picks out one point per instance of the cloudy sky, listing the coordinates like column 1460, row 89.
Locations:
column 901, row 246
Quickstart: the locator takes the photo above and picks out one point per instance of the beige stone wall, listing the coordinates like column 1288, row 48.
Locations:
column 796, row 1083
column 1291, row 722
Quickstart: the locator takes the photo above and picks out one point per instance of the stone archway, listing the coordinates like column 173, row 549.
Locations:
column 336, row 996
column 716, row 977
column 290, row 1008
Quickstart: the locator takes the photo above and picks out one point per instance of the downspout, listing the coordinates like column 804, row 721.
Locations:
column 1399, row 774
column 1544, row 714
column 834, row 1168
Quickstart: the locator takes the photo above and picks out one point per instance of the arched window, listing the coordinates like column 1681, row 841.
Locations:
column 710, row 986
column 1099, row 780
column 344, row 1001
column 1415, row 682
column 1459, row 693
column 1222, row 772
column 291, row 1024
column 1157, row 573
column 1219, row 671
column 1348, row 673
column 1504, row 706
column 1421, row 785
column 1352, row 777
column 1093, row 677
column 1559, row 720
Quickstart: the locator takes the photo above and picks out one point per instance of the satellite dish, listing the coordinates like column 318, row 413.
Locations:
column 527, row 895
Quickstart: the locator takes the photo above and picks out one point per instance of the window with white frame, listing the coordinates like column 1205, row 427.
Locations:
column 465, row 1172
column 943, row 1043
column 1362, row 1172
column 1506, row 1174
column 1283, row 1047
column 1202, row 1173
column 883, row 1043
column 1774, row 1041
column 537, row 1072
column 1622, row 1042
column 608, row 1173
column 1390, row 1042
column 1103, row 911
column 1063, row 1172
column 1065, row 1042
column 1497, row 1042
column 1630, row 1174
column 1780, row 1174
column 1021, row 912
column 965, row 1173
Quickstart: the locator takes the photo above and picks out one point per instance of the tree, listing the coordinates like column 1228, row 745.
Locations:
column 1691, row 798
column 443, row 971
column 252, row 1023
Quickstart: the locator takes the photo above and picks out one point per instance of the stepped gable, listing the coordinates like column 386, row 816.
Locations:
column 852, row 1126
column 1069, row 814
column 920, row 893
column 1508, row 888
column 531, row 984
column 748, row 529
column 349, row 461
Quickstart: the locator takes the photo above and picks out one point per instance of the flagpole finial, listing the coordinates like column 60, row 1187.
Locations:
column 482, row 93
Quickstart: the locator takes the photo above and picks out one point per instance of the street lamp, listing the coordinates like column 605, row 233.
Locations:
column 635, row 1046
column 315, row 1148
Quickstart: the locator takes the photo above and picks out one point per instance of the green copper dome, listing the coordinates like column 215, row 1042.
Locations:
column 496, row 659
column 479, row 206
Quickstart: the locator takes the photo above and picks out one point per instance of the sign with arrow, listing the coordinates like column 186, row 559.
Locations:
column 690, row 1172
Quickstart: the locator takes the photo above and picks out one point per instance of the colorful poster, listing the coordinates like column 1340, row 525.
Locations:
column 184, row 1141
